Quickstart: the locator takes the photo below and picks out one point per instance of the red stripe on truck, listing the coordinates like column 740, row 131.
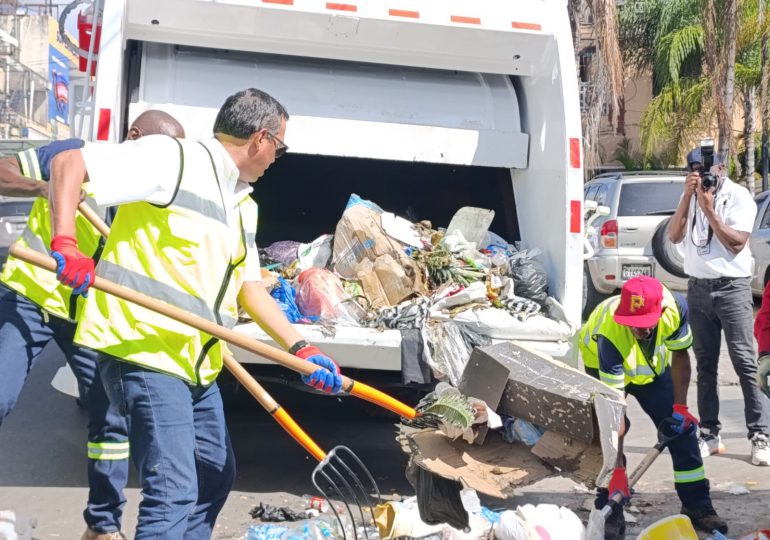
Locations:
column 465, row 20
column 404, row 13
column 575, row 216
column 574, row 153
column 341, row 7
column 525, row 26
column 103, row 129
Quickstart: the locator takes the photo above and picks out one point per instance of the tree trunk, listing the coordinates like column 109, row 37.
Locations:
column 720, row 57
column 764, row 100
column 749, row 131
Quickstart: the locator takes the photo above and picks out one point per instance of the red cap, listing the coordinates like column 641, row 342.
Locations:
column 641, row 303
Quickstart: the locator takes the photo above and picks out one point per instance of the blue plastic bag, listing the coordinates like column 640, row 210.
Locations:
column 285, row 295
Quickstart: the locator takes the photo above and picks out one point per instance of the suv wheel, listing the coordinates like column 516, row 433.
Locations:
column 665, row 252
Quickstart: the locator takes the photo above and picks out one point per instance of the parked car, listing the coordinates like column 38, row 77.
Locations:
column 760, row 244
column 13, row 219
column 632, row 239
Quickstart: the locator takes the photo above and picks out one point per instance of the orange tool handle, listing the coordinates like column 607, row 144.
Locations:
column 270, row 405
column 274, row 354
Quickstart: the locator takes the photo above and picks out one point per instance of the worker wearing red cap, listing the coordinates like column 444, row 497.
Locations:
column 638, row 344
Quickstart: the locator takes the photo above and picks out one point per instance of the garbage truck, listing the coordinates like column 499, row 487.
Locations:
column 422, row 107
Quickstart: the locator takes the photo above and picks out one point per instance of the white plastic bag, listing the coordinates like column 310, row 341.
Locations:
column 316, row 254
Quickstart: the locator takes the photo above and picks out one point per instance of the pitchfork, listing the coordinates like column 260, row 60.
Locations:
column 340, row 472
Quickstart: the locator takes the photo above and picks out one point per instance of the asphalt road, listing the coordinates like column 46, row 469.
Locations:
column 43, row 475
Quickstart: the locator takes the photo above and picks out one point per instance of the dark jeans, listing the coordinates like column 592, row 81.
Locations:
column 180, row 446
column 725, row 305
column 657, row 401
column 24, row 333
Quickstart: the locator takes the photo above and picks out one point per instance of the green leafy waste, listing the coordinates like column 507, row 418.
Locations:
column 449, row 407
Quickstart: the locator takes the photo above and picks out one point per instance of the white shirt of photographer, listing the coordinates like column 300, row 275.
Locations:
column 736, row 208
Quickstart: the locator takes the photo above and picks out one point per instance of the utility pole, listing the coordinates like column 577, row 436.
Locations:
column 765, row 101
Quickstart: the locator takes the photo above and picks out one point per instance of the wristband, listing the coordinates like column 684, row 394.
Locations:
column 294, row 349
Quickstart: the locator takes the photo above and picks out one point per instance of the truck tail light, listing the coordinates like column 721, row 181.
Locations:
column 609, row 234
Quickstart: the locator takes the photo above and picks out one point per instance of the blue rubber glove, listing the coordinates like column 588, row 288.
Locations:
column 685, row 418
column 73, row 268
column 327, row 378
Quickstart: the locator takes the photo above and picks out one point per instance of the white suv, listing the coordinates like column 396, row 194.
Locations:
column 632, row 239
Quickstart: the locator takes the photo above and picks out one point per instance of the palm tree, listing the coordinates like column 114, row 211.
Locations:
column 666, row 39
column 607, row 76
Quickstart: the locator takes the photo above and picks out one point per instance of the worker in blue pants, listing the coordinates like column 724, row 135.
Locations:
column 35, row 310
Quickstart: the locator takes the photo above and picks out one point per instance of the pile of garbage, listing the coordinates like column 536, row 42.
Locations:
column 459, row 286
column 405, row 519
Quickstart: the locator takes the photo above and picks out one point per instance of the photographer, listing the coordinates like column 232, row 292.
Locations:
column 714, row 219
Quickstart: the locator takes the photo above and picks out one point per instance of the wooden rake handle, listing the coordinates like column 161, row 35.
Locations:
column 271, row 406
column 355, row 388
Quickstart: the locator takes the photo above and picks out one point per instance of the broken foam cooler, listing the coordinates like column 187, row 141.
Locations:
column 581, row 416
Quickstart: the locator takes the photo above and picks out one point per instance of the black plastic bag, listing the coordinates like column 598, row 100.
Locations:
column 438, row 498
column 530, row 279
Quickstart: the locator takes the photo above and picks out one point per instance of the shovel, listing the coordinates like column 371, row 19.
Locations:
column 596, row 520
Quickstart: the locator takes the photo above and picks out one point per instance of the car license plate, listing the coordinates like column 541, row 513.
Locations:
column 627, row 271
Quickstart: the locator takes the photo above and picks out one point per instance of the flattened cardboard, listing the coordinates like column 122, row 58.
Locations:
column 496, row 468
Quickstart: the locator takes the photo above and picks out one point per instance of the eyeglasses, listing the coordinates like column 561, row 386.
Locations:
column 280, row 147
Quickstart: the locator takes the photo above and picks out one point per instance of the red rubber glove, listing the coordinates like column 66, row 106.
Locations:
column 619, row 484
column 327, row 377
column 684, row 417
column 73, row 268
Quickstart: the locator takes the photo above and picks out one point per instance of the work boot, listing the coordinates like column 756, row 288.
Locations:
column 615, row 526
column 710, row 443
column 91, row 534
column 760, row 450
column 705, row 519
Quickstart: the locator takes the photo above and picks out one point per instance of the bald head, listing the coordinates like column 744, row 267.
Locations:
column 154, row 122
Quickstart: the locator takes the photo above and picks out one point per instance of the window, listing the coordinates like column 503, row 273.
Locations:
column 591, row 192
column 601, row 194
column 649, row 198
column 765, row 223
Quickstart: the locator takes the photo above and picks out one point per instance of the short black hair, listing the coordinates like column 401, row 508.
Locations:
column 246, row 112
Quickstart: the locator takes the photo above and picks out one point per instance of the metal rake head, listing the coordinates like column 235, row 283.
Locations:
column 343, row 477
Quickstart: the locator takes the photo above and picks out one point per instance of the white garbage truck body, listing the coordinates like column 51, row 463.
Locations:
column 412, row 102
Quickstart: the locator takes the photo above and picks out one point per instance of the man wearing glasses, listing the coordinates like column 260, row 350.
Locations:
column 638, row 344
column 185, row 234
column 713, row 223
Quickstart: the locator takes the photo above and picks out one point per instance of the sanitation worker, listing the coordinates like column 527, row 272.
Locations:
column 638, row 344
column 185, row 234
column 36, row 309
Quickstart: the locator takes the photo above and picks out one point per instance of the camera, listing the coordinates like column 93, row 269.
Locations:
column 707, row 180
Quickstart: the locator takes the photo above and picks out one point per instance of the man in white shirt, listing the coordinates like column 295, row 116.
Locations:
column 185, row 234
column 715, row 223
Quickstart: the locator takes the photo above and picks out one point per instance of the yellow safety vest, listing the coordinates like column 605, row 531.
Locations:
column 38, row 285
column 637, row 369
column 184, row 253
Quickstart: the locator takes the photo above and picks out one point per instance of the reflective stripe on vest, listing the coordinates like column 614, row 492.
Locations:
column 38, row 285
column 636, row 367
column 183, row 253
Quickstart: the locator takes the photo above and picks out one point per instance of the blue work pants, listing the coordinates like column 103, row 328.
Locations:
column 179, row 445
column 25, row 330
